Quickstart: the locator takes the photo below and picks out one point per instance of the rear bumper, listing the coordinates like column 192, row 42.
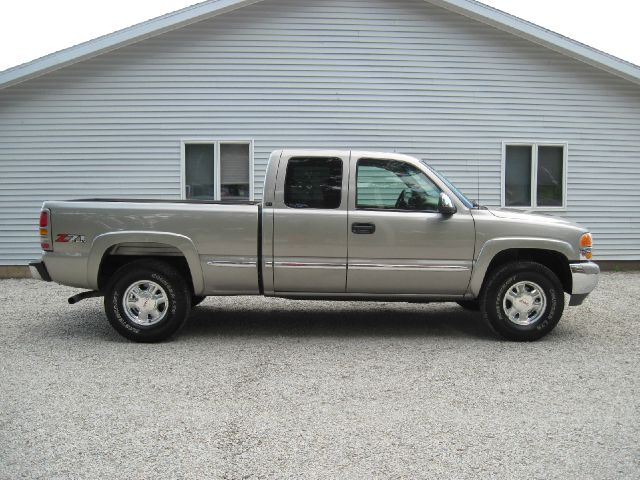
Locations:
column 585, row 278
column 39, row 271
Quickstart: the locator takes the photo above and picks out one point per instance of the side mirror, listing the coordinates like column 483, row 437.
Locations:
column 446, row 205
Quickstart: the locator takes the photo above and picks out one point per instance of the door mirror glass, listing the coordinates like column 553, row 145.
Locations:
column 445, row 205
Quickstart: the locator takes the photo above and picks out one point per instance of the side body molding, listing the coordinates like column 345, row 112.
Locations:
column 103, row 242
column 496, row 245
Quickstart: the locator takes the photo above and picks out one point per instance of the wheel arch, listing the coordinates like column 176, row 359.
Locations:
column 174, row 248
column 554, row 254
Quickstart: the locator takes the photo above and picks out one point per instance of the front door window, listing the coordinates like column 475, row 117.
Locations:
column 394, row 185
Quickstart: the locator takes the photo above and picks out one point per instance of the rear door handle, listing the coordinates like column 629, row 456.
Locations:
column 363, row 228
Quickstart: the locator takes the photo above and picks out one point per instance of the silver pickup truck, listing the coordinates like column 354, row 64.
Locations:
column 339, row 225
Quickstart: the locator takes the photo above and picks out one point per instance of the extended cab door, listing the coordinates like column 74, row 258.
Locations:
column 310, row 223
column 398, row 241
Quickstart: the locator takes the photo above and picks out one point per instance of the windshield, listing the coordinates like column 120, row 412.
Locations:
column 467, row 203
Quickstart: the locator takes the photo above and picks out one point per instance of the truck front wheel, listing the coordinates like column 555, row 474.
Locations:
column 147, row 301
column 522, row 301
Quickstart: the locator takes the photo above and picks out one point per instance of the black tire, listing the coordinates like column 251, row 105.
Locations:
column 504, row 280
column 172, row 310
column 197, row 300
column 472, row 305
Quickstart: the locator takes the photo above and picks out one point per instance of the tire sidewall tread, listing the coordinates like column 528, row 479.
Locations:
column 497, row 285
column 171, row 281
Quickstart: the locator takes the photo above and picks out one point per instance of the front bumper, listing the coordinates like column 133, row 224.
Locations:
column 39, row 271
column 585, row 278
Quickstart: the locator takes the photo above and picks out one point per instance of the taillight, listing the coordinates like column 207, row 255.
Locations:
column 45, row 231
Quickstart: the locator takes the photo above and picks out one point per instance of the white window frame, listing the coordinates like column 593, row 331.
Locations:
column 534, row 171
column 216, row 165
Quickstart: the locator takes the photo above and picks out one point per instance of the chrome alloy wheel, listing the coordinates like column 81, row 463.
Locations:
column 145, row 303
column 524, row 303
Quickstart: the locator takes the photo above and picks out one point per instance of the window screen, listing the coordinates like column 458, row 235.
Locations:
column 200, row 171
column 313, row 182
column 234, row 171
column 517, row 187
column 392, row 184
column 550, row 176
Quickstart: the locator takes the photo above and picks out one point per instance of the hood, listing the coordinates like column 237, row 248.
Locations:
column 512, row 214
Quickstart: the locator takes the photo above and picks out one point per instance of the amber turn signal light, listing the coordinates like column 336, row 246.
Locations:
column 586, row 242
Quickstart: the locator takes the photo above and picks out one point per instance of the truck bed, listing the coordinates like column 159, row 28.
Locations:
column 220, row 240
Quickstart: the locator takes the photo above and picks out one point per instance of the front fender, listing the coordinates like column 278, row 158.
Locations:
column 104, row 242
column 496, row 245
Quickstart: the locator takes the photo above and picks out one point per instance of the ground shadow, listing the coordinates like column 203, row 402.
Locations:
column 274, row 317
column 335, row 319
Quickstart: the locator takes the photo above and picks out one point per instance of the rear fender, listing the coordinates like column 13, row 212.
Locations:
column 102, row 243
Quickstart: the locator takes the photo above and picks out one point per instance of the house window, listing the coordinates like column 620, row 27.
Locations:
column 534, row 175
column 217, row 170
column 200, row 176
column 235, row 178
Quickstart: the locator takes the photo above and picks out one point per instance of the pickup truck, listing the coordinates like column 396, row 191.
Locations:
column 334, row 225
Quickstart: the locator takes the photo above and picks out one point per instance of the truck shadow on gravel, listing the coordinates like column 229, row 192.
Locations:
column 329, row 319
column 301, row 319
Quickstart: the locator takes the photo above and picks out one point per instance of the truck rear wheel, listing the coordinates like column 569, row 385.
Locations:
column 147, row 301
column 522, row 301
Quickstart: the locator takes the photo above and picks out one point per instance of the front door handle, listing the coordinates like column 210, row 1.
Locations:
column 363, row 228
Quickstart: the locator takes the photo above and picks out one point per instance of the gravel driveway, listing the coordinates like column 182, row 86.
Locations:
column 269, row 388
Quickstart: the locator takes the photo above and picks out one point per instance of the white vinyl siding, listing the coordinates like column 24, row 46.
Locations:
column 383, row 75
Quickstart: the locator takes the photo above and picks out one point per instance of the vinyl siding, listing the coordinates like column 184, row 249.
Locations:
column 400, row 76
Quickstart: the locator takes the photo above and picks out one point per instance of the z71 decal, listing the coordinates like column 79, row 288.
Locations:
column 69, row 238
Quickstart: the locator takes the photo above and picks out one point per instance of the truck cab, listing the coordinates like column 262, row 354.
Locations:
column 356, row 223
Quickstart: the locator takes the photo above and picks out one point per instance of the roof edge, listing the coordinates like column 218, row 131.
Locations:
column 211, row 8
column 542, row 36
column 113, row 41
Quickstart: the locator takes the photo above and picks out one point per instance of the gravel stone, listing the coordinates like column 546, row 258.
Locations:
column 272, row 388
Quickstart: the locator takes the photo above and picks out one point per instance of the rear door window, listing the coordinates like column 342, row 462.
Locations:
column 313, row 182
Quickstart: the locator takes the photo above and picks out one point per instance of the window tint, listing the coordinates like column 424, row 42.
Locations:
column 517, row 188
column 392, row 184
column 550, row 164
column 313, row 182
column 200, row 171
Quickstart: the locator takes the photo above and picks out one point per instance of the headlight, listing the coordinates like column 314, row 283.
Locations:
column 586, row 242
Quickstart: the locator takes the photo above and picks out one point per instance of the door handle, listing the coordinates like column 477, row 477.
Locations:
column 363, row 228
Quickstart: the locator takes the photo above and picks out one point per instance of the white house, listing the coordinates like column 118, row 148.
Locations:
column 191, row 104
